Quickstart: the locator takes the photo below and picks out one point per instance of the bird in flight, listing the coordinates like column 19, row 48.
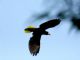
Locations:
column 34, row 42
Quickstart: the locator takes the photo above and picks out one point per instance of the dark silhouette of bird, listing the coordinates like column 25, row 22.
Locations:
column 34, row 42
column 76, row 22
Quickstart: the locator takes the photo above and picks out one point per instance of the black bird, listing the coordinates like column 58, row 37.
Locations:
column 34, row 42
column 76, row 22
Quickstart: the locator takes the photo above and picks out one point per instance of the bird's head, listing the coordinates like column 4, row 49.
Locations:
column 29, row 29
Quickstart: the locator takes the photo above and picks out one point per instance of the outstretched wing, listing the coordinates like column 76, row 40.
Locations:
column 50, row 23
column 34, row 44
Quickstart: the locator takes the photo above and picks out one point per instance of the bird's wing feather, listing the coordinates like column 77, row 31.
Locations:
column 50, row 23
column 34, row 44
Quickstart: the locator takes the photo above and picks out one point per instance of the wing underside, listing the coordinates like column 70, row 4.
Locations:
column 34, row 45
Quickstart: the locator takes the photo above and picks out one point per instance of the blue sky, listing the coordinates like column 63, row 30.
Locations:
column 15, row 16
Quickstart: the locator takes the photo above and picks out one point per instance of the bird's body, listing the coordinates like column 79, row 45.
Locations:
column 34, row 47
column 34, row 42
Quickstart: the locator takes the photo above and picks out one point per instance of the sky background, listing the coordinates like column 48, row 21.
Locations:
column 15, row 15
